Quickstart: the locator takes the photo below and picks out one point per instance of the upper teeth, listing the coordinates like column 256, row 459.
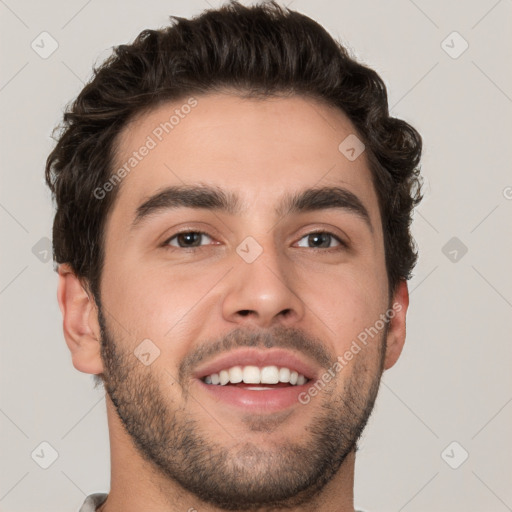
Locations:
column 255, row 375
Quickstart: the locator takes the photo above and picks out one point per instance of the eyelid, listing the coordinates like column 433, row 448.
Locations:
column 341, row 240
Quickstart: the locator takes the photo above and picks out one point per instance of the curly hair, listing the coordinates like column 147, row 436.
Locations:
column 256, row 51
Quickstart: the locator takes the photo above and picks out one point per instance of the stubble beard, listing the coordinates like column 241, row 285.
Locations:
column 245, row 476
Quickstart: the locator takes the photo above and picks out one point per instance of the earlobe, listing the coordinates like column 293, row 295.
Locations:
column 396, row 332
column 80, row 322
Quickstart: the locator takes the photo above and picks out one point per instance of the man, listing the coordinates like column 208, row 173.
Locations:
column 233, row 248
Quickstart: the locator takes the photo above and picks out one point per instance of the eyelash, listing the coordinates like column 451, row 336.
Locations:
column 167, row 245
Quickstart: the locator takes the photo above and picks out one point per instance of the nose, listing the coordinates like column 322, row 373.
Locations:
column 262, row 293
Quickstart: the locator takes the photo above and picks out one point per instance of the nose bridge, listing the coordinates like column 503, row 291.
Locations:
column 261, row 287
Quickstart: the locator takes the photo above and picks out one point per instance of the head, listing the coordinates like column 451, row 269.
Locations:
column 235, row 180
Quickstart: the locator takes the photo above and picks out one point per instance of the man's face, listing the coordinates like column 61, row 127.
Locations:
column 258, row 282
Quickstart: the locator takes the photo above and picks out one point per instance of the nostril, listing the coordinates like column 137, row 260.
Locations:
column 244, row 312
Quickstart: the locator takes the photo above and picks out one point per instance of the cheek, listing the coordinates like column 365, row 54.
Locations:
column 348, row 302
column 159, row 303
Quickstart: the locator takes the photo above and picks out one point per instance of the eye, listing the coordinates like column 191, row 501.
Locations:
column 322, row 239
column 187, row 239
column 192, row 240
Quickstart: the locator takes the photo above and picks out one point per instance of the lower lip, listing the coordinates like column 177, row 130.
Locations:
column 268, row 400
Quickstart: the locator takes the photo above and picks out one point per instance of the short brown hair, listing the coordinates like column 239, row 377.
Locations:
column 258, row 51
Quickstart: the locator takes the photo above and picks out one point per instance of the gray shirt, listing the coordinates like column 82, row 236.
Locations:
column 95, row 500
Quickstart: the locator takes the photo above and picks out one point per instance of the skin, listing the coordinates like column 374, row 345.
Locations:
column 185, row 301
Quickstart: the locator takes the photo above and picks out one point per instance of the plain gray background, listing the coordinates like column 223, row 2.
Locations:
column 452, row 383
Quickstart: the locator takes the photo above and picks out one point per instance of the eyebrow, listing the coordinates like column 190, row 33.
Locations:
column 217, row 199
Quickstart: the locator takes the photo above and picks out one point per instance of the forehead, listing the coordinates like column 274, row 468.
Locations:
column 257, row 148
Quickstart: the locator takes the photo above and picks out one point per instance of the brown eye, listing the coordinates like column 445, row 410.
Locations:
column 187, row 239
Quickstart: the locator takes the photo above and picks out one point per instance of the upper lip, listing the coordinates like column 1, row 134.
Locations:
column 261, row 358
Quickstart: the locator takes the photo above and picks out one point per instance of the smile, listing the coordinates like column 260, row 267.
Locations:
column 254, row 375
column 257, row 381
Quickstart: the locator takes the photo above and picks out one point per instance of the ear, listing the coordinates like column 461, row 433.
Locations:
column 80, row 322
column 396, row 332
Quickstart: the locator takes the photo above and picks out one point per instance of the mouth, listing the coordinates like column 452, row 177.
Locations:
column 259, row 381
